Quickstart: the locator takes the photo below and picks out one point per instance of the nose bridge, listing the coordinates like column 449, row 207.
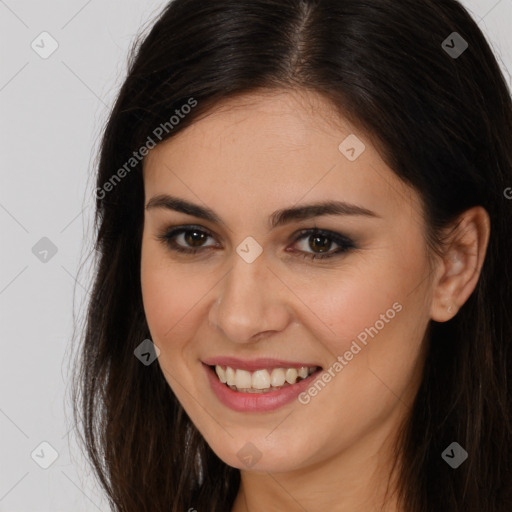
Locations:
column 247, row 303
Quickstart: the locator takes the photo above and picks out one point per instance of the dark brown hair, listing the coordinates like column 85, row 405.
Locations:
column 443, row 124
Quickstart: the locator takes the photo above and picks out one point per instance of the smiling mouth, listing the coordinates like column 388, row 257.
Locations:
column 265, row 380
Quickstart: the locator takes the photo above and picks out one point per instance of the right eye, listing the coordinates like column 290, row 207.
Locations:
column 192, row 235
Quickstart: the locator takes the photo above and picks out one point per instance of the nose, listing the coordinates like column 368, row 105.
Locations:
column 251, row 302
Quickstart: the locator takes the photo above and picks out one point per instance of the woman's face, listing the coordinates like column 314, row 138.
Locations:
column 253, row 298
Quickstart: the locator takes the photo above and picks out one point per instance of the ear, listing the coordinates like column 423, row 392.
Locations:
column 459, row 267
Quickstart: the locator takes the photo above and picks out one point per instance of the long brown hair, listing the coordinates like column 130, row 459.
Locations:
column 442, row 122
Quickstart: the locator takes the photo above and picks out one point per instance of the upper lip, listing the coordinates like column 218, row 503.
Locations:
column 254, row 364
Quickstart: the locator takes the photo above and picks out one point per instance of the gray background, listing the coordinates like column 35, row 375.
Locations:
column 52, row 113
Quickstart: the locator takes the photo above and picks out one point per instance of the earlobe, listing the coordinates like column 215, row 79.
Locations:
column 461, row 264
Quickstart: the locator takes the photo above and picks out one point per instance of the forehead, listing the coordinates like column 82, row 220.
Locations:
column 273, row 148
column 265, row 120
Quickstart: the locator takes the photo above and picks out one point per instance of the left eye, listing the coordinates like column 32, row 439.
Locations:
column 319, row 240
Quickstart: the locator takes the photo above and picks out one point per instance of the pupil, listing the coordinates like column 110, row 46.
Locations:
column 320, row 247
column 194, row 238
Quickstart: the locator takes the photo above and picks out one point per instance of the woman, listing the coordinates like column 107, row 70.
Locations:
column 302, row 297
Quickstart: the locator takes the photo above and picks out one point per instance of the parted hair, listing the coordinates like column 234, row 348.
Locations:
column 443, row 123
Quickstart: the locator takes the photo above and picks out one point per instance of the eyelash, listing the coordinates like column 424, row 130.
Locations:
column 346, row 244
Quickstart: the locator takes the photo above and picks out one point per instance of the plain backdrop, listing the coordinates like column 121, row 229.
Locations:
column 52, row 110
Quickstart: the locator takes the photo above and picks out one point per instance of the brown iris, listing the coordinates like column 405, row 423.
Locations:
column 195, row 238
column 316, row 243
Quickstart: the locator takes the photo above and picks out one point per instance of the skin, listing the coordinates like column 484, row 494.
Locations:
column 254, row 155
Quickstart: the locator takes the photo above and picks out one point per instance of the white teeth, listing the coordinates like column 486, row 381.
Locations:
column 243, row 379
column 303, row 372
column 277, row 378
column 221, row 374
column 262, row 380
column 230, row 376
column 291, row 375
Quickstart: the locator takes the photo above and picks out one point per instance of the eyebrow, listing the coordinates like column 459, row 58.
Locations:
column 278, row 218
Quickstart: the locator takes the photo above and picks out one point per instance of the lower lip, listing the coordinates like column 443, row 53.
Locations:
column 257, row 402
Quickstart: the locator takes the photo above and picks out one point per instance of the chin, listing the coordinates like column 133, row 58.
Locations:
column 249, row 451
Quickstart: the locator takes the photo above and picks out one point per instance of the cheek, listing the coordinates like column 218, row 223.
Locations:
column 376, row 308
column 166, row 300
column 354, row 304
column 377, row 316
column 172, row 300
column 171, row 297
